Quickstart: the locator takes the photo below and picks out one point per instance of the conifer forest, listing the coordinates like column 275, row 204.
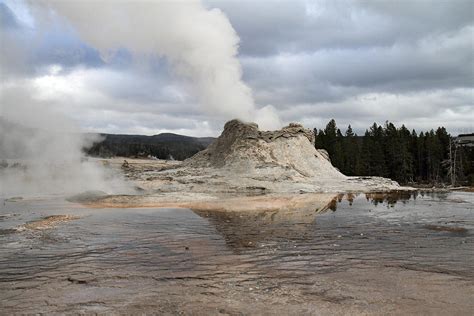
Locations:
column 427, row 157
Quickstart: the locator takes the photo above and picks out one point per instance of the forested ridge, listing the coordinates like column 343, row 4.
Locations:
column 397, row 153
column 162, row 146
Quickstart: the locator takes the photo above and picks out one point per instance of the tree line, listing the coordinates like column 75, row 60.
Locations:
column 398, row 153
column 162, row 146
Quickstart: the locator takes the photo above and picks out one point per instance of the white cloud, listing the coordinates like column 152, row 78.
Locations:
column 357, row 62
column 422, row 111
column 90, row 98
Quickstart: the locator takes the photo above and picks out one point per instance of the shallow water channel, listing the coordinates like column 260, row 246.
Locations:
column 366, row 254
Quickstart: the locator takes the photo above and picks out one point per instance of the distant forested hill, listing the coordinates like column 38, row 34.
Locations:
column 16, row 141
column 162, row 146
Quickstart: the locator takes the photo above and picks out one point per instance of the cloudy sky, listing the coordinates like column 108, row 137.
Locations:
column 359, row 62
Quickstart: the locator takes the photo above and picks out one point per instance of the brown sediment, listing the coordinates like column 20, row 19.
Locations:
column 265, row 203
column 316, row 201
column 47, row 222
column 14, row 199
column 465, row 189
column 451, row 229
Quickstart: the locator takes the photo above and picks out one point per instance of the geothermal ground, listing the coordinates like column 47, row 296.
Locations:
column 404, row 253
column 260, row 223
column 282, row 167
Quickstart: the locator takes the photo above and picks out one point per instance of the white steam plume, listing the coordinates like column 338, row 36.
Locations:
column 200, row 44
column 41, row 150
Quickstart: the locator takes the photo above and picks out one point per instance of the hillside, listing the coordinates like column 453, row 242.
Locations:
column 16, row 140
column 162, row 146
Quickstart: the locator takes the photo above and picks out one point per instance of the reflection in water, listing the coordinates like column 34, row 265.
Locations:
column 350, row 198
column 119, row 255
column 247, row 229
column 391, row 198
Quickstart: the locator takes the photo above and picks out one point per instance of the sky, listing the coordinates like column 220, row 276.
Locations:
column 187, row 70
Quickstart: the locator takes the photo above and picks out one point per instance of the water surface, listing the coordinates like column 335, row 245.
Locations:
column 177, row 260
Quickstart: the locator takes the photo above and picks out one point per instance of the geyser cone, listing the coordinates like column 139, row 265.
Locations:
column 243, row 148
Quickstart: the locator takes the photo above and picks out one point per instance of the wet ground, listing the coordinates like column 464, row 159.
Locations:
column 404, row 253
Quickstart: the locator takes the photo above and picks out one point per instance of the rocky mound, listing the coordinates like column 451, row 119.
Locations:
column 244, row 149
column 245, row 160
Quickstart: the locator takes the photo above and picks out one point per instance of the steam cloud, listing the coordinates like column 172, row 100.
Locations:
column 41, row 150
column 200, row 44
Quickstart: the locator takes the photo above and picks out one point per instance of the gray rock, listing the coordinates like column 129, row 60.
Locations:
column 243, row 158
column 324, row 153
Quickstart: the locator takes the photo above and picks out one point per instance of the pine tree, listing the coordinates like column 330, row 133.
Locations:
column 320, row 139
column 394, row 152
column 351, row 152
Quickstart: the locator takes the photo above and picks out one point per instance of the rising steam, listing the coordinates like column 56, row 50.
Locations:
column 200, row 44
column 41, row 151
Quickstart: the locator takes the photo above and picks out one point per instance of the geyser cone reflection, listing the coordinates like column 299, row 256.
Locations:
column 243, row 229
